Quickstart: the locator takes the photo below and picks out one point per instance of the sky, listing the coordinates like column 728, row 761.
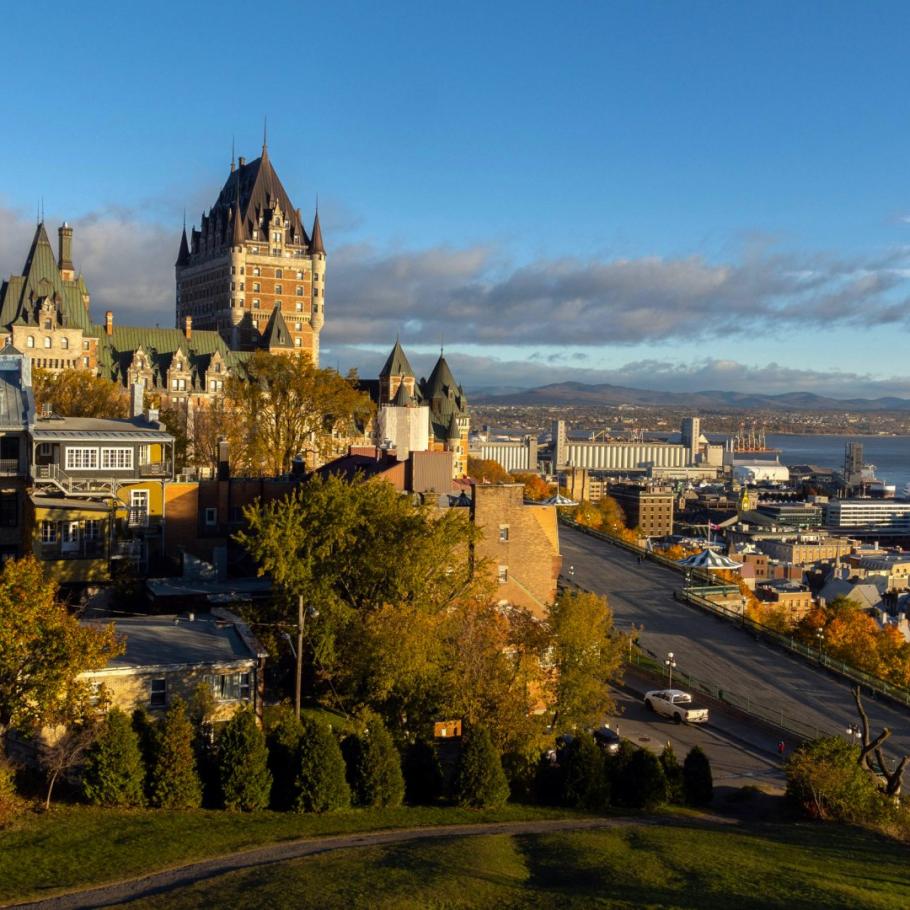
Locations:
column 663, row 195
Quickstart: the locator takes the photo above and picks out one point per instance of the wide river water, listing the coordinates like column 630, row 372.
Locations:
column 889, row 454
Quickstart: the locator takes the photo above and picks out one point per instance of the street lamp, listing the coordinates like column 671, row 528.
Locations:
column 670, row 662
column 571, row 571
column 820, row 638
column 854, row 732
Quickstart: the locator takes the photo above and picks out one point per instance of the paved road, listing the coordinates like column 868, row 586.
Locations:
column 715, row 649
column 733, row 762
column 183, row 876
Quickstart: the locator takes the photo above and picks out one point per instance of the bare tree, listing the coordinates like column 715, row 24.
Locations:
column 63, row 754
column 872, row 746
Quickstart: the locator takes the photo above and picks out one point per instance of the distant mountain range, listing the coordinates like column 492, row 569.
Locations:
column 582, row 394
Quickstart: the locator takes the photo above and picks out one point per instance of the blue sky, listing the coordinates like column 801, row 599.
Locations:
column 664, row 193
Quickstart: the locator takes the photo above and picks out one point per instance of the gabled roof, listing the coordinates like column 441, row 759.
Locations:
column 396, row 363
column 277, row 334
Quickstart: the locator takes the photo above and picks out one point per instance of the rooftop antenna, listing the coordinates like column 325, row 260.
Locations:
column 265, row 133
column 442, row 348
column 232, row 154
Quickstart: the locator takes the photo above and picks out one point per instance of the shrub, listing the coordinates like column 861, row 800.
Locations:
column 698, row 785
column 320, row 782
column 584, row 777
column 243, row 764
column 480, row 781
column 114, row 773
column 674, row 773
column 374, row 767
column 825, row 780
column 174, row 781
column 422, row 774
column 283, row 742
column 641, row 782
column 10, row 802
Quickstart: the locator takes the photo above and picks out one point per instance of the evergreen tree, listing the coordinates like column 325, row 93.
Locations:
column 642, row 783
column 698, row 785
column 480, row 781
column 114, row 773
column 147, row 739
column 374, row 767
column 584, row 778
column 174, row 780
column 674, row 773
column 243, row 764
column 283, row 742
column 320, row 784
column 422, row 774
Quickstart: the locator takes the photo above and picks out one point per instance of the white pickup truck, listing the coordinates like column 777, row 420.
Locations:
column 675, row 704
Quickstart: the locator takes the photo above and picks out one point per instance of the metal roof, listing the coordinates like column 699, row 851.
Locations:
column 98, row 429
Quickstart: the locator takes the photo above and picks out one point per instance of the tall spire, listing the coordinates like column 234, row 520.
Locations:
column 316, row 244
column 265, row 138
column 237, row 234
column 183, row 256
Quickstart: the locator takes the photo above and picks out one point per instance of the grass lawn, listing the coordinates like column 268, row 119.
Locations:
column 794, row 867
column 74, row 846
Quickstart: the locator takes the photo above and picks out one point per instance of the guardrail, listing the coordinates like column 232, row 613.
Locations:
column 873, row 683
column 643, row 659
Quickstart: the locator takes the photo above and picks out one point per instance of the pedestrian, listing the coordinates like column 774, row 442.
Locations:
column 780, row 747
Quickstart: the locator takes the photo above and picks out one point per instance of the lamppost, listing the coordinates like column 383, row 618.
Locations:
column 820, row 637
column 670, row 662
column 855, row 734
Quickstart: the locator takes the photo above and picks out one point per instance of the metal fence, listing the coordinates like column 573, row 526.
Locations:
column 813, row 655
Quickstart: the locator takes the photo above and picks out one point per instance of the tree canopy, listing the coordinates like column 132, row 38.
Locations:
column 43, row 651
column 79, row 393
column 486, row 470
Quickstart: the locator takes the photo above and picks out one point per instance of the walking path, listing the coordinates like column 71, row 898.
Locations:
column 189, row 874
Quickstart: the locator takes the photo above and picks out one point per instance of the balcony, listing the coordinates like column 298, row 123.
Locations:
column 155, row 469
column 81, row 549
column 9, row 467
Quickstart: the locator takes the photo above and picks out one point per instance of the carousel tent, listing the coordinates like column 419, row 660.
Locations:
column 709, row 560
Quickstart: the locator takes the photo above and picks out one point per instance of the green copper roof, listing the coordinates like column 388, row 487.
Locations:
column 396, row 363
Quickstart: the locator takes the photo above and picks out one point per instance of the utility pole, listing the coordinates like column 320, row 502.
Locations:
column 299, row 682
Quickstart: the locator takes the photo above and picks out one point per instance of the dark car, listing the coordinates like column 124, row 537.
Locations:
column 607, row 739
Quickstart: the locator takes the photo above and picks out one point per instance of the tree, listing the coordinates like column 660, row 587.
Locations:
column 586, row 655
column 674, row 773
column 114, row 773
column 79, row 393
column 536, row 488
column 480, row 781
column 243, row 764
column 422, row 774
column 486, row 470
column 285, row 407
column 641, row 781
column 283, row 742
column 64, row 753
column 175, row 782
column 584, row 778
column 374, row 767
column 43, row 652
column 825, row 780
column 872, row 746
column 698, row 784
column 613, row 518
column 11, row 804
column 321, row 784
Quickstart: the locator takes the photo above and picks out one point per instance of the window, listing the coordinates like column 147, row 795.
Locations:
column 81, row 459
column 300, row 276
column 47, row 341
column 299, row 307
column 232, row 686
column 158, row 693
column 92, row 529
column 299, row 291
column 64, row 343
column 120, row 459
column 44, row 449
column 139, row 508
column 298, row 343
column 30, row 341
column 84, row 345
column 256, row 270
column 298, row 326
column 277, row 288
column 50, row 531
column 216, row 385
column 503, row 533
column 503, row 574
column 256, row 287
column 256, row 304
column 47, row 324
column 279, row 273
column 211, row 517
column 85, row 361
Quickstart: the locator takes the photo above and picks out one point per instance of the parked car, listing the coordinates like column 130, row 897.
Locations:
column 607, row 739
column 677, row 705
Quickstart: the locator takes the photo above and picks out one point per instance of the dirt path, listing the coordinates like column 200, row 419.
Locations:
column 183, row 876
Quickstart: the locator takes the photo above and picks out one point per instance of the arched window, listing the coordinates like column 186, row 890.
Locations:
column 47, row 341
column 30, row 341
column 64, row 343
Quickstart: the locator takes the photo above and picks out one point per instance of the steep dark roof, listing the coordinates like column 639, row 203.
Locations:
column 445, row 397
column 396, row 363
column 454, row 431
column 183, row 256
column 441, row 380
column 403, row 397
column 259, row 190
column 276, row 333
column 316, row 245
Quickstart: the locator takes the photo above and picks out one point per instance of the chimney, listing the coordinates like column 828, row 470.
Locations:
column 188, row 327
column 108, row 323
column 65, row 252
column 241, row 161
column 224, row 469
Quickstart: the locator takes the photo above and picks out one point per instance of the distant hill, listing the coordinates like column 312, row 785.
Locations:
column 580, row 393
